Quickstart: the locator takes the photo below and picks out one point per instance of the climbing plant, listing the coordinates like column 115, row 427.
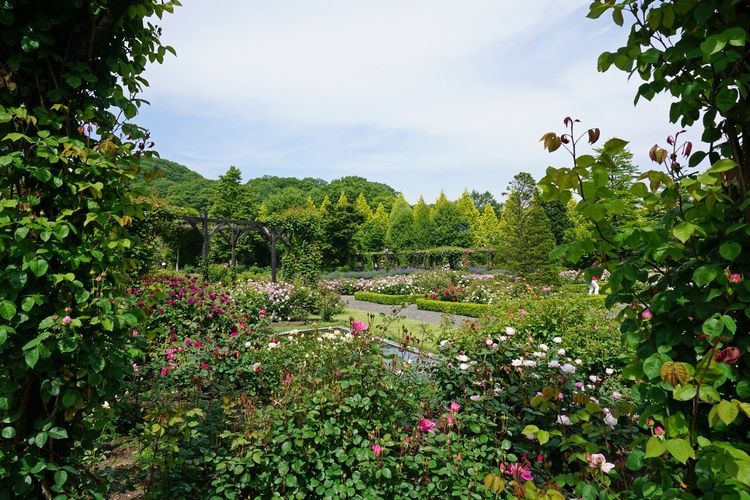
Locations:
column 70, row 73
column 682, row 278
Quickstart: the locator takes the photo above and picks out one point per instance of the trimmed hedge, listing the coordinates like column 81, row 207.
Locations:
column 382, row 298
column 460, row 308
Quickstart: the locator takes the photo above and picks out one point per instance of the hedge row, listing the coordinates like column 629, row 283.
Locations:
column 460, row 308
column 382, row 298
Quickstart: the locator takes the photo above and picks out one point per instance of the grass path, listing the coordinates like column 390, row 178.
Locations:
column 424, row 335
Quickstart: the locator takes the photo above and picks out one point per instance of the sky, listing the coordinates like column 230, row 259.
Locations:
column 423, row 95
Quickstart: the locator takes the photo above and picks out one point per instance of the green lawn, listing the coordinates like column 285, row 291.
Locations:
column 420, row 334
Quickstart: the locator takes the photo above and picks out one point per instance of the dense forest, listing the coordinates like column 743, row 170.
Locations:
column 353, row 223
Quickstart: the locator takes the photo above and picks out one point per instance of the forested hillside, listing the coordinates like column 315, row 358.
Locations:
column 180, row 186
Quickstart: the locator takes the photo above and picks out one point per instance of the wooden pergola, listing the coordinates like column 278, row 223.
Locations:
column 207, row 227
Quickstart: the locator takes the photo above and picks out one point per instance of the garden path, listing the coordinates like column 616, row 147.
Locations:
column 410, row 311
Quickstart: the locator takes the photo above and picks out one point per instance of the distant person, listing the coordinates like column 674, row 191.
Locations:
column 594, row 283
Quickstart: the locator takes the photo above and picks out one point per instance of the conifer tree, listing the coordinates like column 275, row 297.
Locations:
column 527, row 240
column 371, row 235
column 362, row 207
column 487, row 233
column 310, row 204
column 450, row 227
column 325, row 205
column 423, row 237
column 343, row 202
column 400, row 233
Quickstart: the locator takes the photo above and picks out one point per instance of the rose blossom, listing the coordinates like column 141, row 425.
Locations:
column 568, row 368
column 426, row 425
column 598, row 461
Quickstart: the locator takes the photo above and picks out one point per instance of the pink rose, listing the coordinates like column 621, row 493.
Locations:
column 426, row 425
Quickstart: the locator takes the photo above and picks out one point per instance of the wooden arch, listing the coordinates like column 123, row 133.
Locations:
column 207, row 227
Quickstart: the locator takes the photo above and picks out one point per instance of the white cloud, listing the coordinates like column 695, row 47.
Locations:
column 421, row 94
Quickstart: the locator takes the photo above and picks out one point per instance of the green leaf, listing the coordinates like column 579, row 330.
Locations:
column 684, row 230
column 38, row 266
column 730, row 250
column 73, row 80
column 684, row 392
column 743, row 389
column 729, row 323
column 29, row 44
column 41, row 439
column 386, row 472
column 720, row 166
column 634, row 461
column 18, row 279
column 712, row 45
column 9, row 432
column 735, row 36
column 58, row 433
column 713, row 327
column 680, row 449
column 61, row 477
column 726, row 99
column 655, row 447
column 542, row 436
column 705, row 274
column 31, row 357
column 652, row 365
column 28, row 303
column 709, row 394
column 7, row 310
column 70, row 398
column 727, row 411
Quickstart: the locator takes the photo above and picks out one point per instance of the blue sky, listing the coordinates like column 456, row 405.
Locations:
column 424, row 95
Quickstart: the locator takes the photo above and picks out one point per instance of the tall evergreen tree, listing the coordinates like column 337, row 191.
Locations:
column 400, row 233
column 449, row 226
column 487, row 234
column 527, row 240
column 371, row 235
column 362, row 207
column 423, row 235
column 470, row 213
column 231, row 198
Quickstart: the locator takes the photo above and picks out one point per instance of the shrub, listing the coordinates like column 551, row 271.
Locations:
column 460, row 308
column 381, row 298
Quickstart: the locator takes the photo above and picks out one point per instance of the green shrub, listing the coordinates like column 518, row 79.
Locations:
column 588, row 330
column 460, row 308
column 382, row 298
